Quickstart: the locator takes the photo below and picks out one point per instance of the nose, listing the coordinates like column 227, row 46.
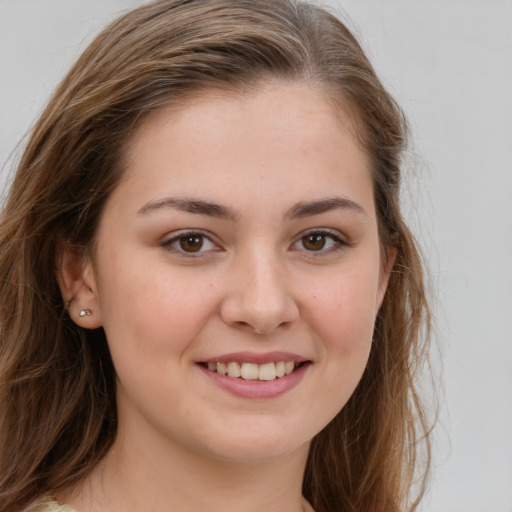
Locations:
column 259, row 297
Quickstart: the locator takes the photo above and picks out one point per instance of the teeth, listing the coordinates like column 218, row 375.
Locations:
column 267, row 371
column 280, row 369
column 289, row 366
column 252, row 371
column 233, row 369
column 249, row 371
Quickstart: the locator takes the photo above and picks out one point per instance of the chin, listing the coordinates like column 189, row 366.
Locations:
column 258, row 442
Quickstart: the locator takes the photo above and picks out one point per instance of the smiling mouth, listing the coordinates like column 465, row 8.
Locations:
column 252, row 371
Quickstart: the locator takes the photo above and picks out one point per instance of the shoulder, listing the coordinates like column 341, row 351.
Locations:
column 48, row 504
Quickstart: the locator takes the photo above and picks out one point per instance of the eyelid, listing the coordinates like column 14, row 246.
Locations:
column 333, row 234
column 172, row 238
column 167, row 243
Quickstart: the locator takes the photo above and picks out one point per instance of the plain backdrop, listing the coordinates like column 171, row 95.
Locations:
column 449, row 64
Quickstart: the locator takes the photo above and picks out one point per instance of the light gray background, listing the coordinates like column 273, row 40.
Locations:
column 449, row 63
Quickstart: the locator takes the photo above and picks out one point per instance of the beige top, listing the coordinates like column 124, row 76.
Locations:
column 48, row 504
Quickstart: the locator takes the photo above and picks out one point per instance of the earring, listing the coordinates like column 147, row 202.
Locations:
column 85, row 312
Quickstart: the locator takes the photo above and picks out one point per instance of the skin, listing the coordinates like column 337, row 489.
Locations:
column 255, row 286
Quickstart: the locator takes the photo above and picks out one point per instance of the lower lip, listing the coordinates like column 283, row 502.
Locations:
column 257, row 388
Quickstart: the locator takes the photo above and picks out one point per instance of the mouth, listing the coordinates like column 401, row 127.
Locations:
column 252, row 371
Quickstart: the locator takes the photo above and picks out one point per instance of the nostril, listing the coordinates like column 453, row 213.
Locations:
column 260, row 327
column 239, row 324
column 258, row 312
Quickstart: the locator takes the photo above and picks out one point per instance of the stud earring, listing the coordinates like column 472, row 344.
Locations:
column 85, row 312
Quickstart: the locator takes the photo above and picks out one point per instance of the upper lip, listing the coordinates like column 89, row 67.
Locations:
column 255, row 357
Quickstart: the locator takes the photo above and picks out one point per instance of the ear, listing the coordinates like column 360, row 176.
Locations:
column 385, row 274
column 75, row 275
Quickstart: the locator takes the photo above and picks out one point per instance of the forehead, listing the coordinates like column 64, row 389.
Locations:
column 281, row 137
column 308, row 109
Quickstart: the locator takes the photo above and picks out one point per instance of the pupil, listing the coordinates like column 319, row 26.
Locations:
column 314, row 242
column 191, row 243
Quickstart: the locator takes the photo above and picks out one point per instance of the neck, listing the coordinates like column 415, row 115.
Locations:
column 141, row 476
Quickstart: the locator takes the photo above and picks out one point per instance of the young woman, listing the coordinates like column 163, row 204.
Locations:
column 209, row 298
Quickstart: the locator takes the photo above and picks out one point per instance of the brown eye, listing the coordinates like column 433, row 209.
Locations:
column 314, row 241
column 320, row 241
column 191, row 243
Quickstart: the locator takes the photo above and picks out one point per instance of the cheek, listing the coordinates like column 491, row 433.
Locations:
column 345, row 307
column 343, row 315
column 150, row 312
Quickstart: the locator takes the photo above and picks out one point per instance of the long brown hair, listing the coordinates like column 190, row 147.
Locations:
column 57, row 381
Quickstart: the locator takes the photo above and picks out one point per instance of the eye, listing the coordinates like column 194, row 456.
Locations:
column 190, row 243
column 319, row 241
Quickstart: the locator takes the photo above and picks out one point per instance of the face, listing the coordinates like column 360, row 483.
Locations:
column 242, row 239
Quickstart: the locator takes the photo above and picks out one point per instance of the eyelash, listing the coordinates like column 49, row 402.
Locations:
column 169, row 244
column 337, row 242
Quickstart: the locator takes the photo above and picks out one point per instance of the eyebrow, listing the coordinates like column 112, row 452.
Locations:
column 300, row 210
column 306, row 209
column 191, row 206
